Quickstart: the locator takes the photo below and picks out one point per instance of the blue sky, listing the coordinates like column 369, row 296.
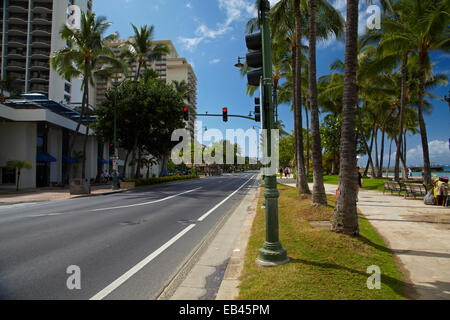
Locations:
column 210, row 35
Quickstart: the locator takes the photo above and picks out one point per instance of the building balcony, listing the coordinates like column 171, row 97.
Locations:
column 42, row 7
column 42, row 54
column 13, row 64
column 40, row 66
column 41, row 80
column 17, row 17
column 15, row 30
column 41, row 30
column 18, row 6
column 41, row 42
column 42, row 18
column 16, row 53
column 16, row 76
column 38, row 88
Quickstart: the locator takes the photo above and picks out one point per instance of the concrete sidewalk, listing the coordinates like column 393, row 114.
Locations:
column 418, row 235
column 40, row 195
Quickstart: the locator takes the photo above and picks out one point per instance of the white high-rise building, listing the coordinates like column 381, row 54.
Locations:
column 30, row 32
column 37, row 127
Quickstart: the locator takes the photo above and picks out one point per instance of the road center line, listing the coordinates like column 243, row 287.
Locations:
column 146, row 203
column 225, row 200
column 127, row 275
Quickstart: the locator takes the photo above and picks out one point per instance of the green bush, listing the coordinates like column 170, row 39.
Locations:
column 153, row 181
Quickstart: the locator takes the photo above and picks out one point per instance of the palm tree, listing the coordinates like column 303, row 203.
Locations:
column 183, row 88
column 429, row 32
column 345, row 215
column 86, row 55
column 142, row 50
column 327, row 11
column 422, row 27
column 18, row 166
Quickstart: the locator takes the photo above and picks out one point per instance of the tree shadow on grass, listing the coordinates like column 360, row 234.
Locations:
column 402, row 288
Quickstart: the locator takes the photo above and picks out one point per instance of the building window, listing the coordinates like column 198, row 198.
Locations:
column 8, row 176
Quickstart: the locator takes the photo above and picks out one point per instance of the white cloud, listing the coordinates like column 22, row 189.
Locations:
column 439, row 153
column 235, row 10
column 189, row 5
column 214, row 61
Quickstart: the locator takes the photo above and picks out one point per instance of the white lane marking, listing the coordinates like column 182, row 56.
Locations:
column 46, row 215
column 127, row 275
column 221, row 203
column 146, row 203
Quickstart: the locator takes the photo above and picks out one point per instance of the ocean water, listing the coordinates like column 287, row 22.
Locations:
column 446, row 173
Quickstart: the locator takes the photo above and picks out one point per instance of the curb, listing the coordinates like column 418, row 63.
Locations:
column 229, row 288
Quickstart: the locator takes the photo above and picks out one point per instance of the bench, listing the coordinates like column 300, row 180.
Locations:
column 393, row 186
column 415, row 189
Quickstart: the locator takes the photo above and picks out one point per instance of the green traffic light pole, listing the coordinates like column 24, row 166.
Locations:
column 272, row 253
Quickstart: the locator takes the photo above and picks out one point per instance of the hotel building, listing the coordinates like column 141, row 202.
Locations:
column 36, row 127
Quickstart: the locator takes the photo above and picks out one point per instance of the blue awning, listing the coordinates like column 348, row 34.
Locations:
column 64, row 160
column 103, row 161
column 44, row 157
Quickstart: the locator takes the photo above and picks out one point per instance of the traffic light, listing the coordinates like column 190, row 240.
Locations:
column 254, row 58
column 257, row 109
column 186, row 114
column 225, row 114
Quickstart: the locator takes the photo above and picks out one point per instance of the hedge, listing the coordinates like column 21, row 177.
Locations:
column 152, row 181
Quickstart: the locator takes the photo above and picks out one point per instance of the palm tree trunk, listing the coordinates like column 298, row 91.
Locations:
column 124, row 171
column 308, row 144
column 389, row 163
column 366, row 171
column 68, row 173
column 363, row 136
column 138, row 73
column 301, row 172
column 377, row 166
column 138, row 168
column 319, row 196
column 86, row 137
column 423, row 127
column 402, row 115
column 383, row 133
column 18, row 180
column 345, row 215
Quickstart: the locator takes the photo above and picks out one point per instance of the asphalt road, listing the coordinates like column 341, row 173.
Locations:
column 126, row 246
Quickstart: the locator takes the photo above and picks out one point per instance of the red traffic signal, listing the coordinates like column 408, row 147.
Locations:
column 186, row 114
column 225, row 114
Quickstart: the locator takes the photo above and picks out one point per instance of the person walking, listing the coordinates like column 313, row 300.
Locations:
column 360, row 183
